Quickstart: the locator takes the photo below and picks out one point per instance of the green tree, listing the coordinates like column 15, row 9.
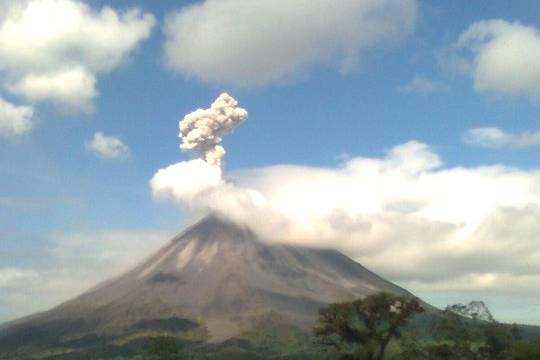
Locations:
column 478, row 334
column 454, row 334
column 362, row 329
column 464, row 332
column 498, row 340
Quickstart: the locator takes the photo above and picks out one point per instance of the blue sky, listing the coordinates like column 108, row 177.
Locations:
column 56, row 189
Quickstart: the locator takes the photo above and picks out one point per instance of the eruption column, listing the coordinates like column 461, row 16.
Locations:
column 202, row 130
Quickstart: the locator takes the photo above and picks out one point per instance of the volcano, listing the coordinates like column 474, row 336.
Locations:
column 217, row 279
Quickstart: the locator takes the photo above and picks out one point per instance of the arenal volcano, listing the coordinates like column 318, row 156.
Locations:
column 217, row 277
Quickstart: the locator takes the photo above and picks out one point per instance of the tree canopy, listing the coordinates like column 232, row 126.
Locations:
column 362, row 329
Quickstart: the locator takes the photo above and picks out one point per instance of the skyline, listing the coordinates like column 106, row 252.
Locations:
column 437, row 101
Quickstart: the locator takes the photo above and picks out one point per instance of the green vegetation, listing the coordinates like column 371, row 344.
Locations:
column 460, row 332
column 362, row 329
column 525, row 350
column 162, row 348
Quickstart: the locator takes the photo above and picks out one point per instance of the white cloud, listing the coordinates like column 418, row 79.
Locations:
column 77, row 261
column 107, row 147
column 15, row 120
column 501, row 57
column 110, row 251
column 424, row 85
column 66, row 44
column 252, row 43
column 12, row 277
column 74, row 88
column 454, row 228
column 492, row 137
column 186, row 179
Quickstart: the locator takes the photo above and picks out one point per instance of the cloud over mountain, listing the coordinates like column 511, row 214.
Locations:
column 446, row 225
column 186, row 179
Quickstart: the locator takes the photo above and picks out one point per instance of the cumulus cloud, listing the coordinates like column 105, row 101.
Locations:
column 501, row 57
column 186, row 180
column 424, row 85
column 74, row 88
column 253, row 43
column 446, row 225
column 15, row 120
column 492, row 137
column 107, row 147
column 66, row 45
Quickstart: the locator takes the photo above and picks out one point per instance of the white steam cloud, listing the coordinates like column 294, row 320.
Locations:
column 456, row 229
column 202, row 130
column 186, row 179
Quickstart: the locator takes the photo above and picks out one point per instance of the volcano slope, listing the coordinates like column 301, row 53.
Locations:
column 214, row 282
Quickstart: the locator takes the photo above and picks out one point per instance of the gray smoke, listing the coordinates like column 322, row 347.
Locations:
column 202, row 130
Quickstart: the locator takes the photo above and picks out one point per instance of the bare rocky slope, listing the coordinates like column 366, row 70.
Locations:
column 216, row 276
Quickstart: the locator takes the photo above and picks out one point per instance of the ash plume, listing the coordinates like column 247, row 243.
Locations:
column 202, row 130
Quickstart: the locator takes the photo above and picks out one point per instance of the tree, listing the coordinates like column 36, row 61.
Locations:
column 464, row 332
column 456, row 334
column 162, row 348
column 493, row 339
column 362, row 329
column 498, row 340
